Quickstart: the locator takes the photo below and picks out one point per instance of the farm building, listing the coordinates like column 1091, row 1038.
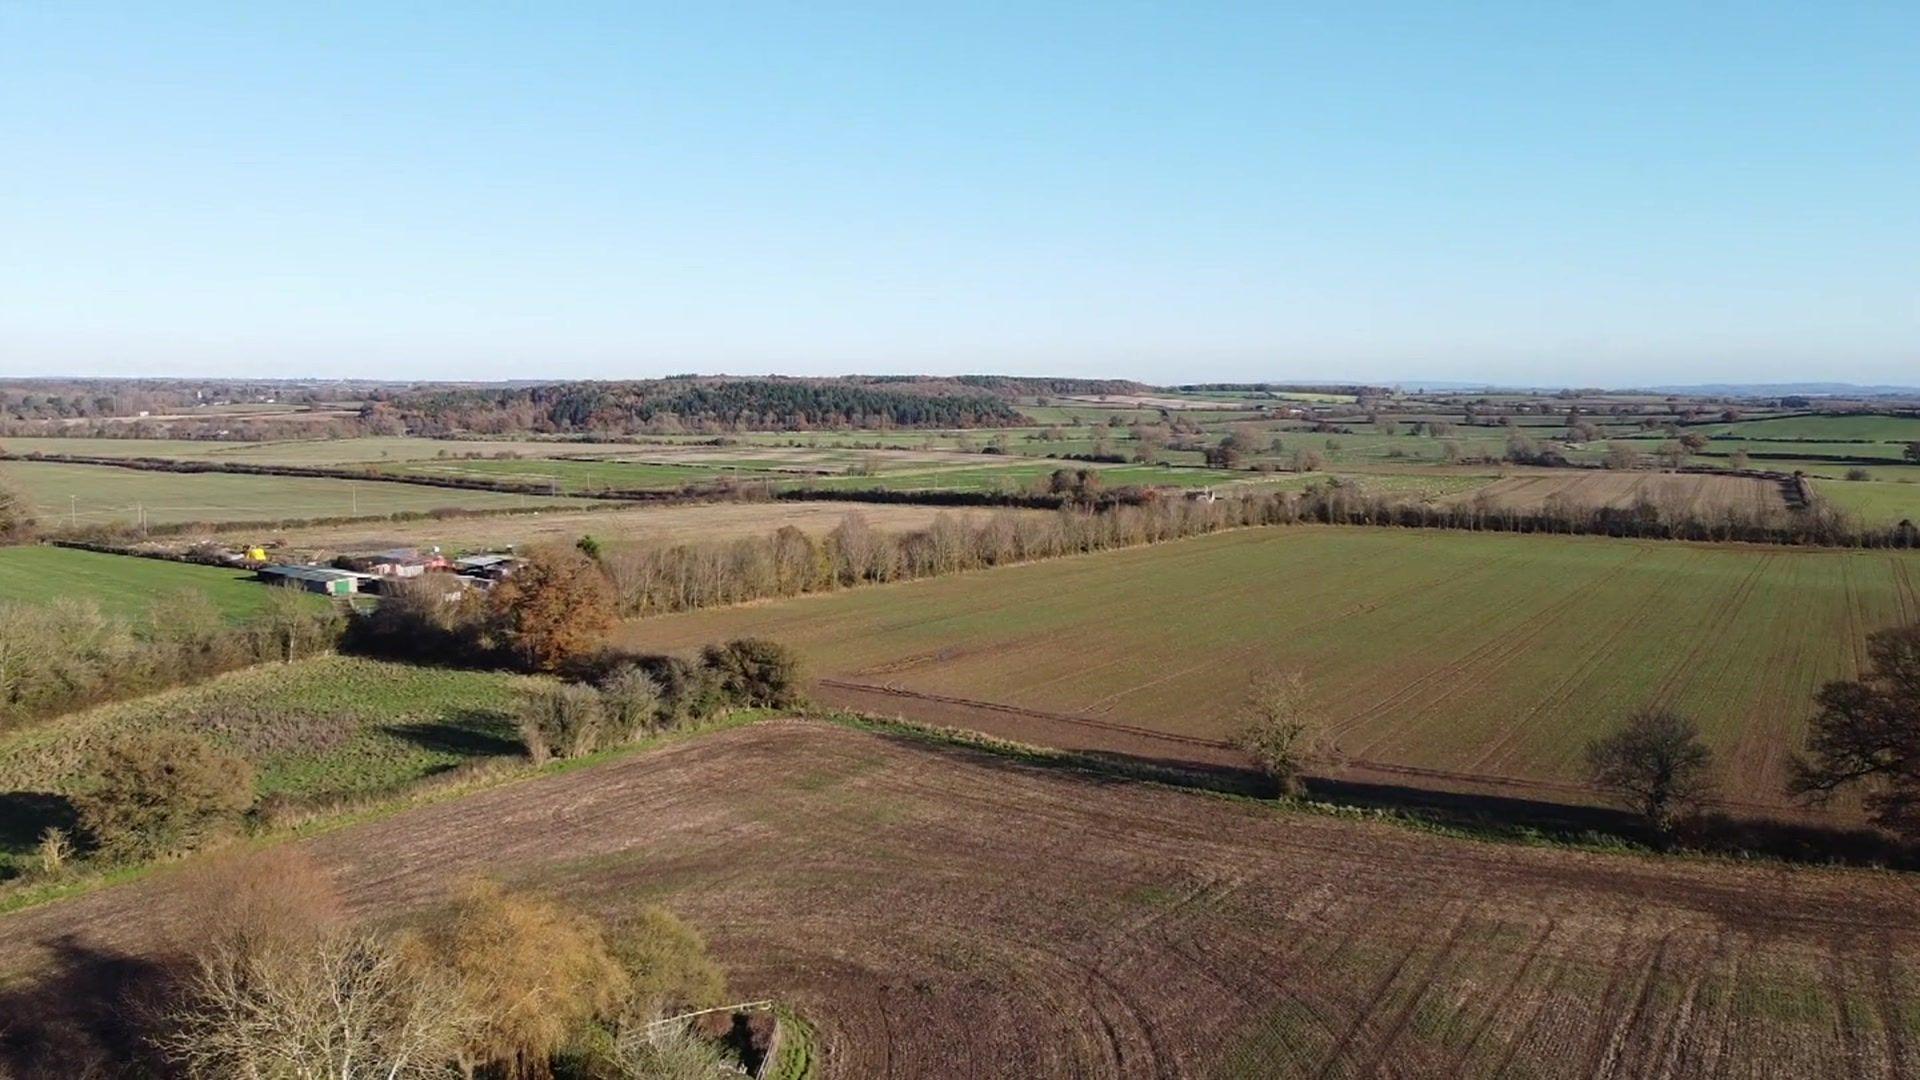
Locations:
column 399, row 562
column 318, row 579
column 488, row 567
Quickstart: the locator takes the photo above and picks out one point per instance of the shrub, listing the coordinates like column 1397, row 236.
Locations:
column 160, row 791
column 632, row 702
column 1856, row 474
column 666, row 961
column 755, row 672
column 533, row 973
column 564, row 720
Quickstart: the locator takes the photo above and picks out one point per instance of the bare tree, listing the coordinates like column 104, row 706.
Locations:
column 346, row 1006
column 1655, row 765
column 1868, row 732
column 1273, row 726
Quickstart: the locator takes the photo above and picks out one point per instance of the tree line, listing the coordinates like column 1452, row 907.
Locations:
column 665, row 406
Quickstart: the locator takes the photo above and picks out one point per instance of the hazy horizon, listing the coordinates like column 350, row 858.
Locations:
column 1393, row 193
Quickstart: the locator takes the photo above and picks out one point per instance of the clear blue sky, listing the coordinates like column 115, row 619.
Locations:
column 1538, row 192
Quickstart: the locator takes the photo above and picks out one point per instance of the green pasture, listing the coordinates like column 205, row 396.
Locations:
column 120, row 584
column 80, row 495
column 1870, row 427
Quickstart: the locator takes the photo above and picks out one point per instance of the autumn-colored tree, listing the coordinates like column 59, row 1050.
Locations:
column 554, row 609
column 531, row 971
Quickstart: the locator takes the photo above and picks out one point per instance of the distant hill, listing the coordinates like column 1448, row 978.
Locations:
column 1800, row 389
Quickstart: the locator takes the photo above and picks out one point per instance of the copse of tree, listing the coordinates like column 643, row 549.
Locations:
column 666, row 406
column 1655, row 764
column 1912, row 452
column 158, row 792
column 1867, row 734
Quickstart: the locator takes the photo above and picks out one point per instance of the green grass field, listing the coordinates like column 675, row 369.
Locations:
column 1871, row 427
column 107, row 494
column 120, row 584
column 576, row 476
column 1874, row 502
column 368, row 450
column 1488, row 655
column 315, row 729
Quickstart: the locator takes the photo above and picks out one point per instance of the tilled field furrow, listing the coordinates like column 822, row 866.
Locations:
column 940, row 911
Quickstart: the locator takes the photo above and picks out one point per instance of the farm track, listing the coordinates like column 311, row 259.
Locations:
column 938, row 911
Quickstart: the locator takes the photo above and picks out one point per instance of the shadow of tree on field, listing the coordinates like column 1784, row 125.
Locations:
column 1500, row 817
column 89, row 1013
column 26, row 815
column 470, row 733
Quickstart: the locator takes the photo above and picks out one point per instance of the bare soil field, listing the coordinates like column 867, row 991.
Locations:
column 1438, row 658
column 943, row 912
column 1683, row 494
column 659, row 524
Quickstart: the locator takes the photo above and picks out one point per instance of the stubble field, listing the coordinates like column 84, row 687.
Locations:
column 934, row 911
column 1434, row 657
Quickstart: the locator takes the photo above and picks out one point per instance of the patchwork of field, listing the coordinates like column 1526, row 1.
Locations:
column 83, row 495
column 119, row 584
column 934, row 911
column 1435, row 657
column 1688, row 494
column 611, row 527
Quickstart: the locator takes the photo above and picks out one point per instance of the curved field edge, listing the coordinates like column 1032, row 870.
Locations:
column 931, row 908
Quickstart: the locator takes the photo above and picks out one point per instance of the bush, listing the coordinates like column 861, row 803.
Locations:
column 533, row 973
column 632, row 701
column 755, row 672
column 565, row 720
column 1856, row 474
column 161, row 791
column 666, row 962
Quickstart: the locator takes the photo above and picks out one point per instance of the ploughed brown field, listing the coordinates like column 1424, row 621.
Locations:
column 1679, row 494
column 945, row 912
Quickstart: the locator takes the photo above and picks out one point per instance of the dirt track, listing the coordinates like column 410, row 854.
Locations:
column 944, row 912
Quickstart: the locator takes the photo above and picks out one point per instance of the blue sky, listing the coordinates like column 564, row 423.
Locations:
column 1530, row 192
